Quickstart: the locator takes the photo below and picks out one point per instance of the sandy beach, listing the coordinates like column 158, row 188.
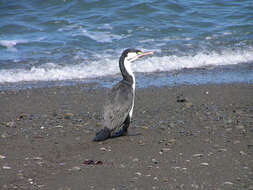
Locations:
column 185, row 137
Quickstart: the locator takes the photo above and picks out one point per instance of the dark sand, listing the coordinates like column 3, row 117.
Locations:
column 188, row 137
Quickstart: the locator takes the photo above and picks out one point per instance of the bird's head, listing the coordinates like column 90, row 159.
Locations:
column 131, row 55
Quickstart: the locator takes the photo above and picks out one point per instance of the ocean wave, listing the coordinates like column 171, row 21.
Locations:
column 211, row 59
column 11, row 43
column 101, row 36
column 109, row 66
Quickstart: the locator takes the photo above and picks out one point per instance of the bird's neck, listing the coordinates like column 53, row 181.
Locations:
column 126, row 71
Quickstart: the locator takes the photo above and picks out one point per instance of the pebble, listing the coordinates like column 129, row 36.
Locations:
column 204, row 164
column 171, row 141
column 229, row 121
column 122, row 166
column 243, row 153
column 6, row 167
column 2, row 156
column 75, row 168
column 165, row 149
column 165, row 180
column 198, row 155
column 228, row 183
column 138, row 173
column 188, row 104
column 37, row 158
column 239, row 127
column 58, row 126
column 5, row 135
column 154, row 161
column 30, row 180
column 136, row 160
column 236, row 142
column 222, row 150
column 10, row 124
column 68, row 115
column 144, row 127
column 103, row 149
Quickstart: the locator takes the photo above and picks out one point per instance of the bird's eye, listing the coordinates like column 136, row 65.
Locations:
column 139, row 52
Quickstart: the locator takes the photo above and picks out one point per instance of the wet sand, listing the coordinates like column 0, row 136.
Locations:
column 186, row 137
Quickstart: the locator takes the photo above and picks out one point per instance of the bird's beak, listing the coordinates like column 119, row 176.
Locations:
column 144, row 54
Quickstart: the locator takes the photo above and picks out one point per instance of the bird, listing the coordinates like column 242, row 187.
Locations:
column 119, row 104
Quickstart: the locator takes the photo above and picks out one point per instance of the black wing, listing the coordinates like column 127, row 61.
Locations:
column 118, row 105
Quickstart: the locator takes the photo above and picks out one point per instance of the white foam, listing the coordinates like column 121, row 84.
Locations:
column 107, row 65
column 53, row 72
column 11, row 43
column 168, row 63
column 101, row 36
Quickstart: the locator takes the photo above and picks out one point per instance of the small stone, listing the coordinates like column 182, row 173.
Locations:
column 22, row 116
column 188, row 104
column 171, row 141
column 122, row 166
column 30, row 180
column 2, row 156
column 37, row 158
column 10, row 124
column 240, row 127
column 222, row 150
column 155, row 178
column 166, row 149
column 154, row 161
column 103, row 149
column 243, row 153
column 136, row 160
column 229, row 121
column 181, row 99
column 228, row 183
column 6, row 167
column 75, row 168
column 138, row 173
column 236, row 142
column 144, row 127
column 204, row 164
column 165, row 180
column 5, row 135
column 68, row 115
column 176, row 167
column 58, row 126
column 198, row 155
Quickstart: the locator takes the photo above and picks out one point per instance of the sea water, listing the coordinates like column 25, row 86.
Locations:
column 45, row 42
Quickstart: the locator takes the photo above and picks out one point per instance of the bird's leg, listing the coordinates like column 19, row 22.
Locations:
column 102, row 135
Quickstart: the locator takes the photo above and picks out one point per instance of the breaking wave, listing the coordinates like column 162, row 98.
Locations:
column 109, row 66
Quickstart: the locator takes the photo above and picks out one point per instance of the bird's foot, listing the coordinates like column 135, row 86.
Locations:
column 102, row 135
column 120, row 132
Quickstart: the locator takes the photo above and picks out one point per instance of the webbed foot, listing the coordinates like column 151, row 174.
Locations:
column 102, row 135
column 120, row 132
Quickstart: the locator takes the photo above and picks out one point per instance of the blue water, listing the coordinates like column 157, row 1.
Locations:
column 71, row 41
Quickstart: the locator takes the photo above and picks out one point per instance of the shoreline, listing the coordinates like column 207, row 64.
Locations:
column 224, row 74
column 183, row 137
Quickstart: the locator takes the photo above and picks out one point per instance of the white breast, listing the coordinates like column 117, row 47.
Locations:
column 130, row 71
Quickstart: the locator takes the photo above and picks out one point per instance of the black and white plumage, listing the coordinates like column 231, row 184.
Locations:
column 118, row 108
